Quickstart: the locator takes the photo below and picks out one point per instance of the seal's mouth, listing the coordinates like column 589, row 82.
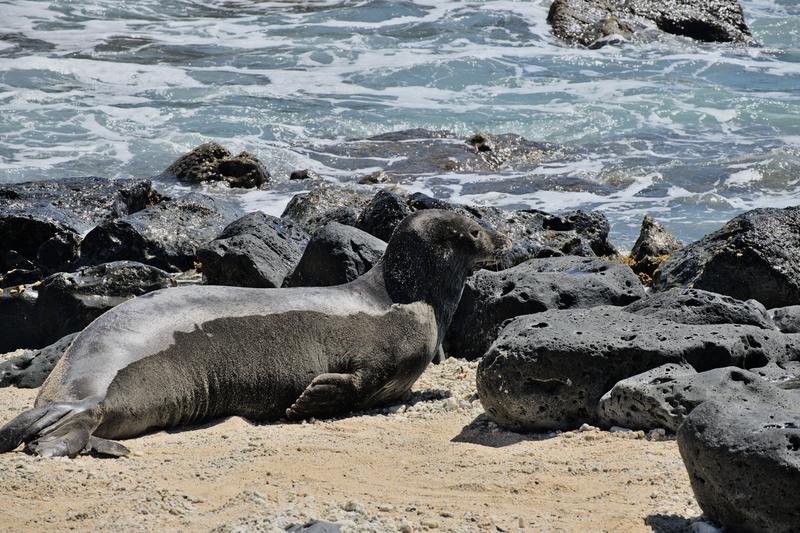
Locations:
column 502, row 246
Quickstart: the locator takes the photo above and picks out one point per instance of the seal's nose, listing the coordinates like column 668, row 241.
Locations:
column 502, row 243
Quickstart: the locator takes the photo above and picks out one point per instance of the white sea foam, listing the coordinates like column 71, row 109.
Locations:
column 686, row 130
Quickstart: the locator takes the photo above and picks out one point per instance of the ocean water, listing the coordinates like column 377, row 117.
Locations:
column 690, row 133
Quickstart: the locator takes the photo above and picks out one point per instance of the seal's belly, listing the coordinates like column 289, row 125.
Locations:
column 257, row 366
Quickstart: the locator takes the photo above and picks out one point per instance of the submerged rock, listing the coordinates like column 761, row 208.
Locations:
column 257, row 250
column 595, row 22
column 212, row 162
column 537, row 285
column 664, row 397
column 29, row 370
column 410, row 153
column 166, row 235
column 549, row 370
column 754, row 256
column 652, row 248
column 694, row 306
column 336, row 254
column 41, row 222
column 743, row 460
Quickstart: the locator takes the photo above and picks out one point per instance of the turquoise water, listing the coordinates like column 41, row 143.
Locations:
column 690, row 133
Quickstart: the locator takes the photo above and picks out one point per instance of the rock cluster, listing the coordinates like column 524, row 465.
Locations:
column 594, row 23
column 212, row 162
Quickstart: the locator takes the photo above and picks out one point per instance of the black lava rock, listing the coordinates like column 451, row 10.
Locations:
column 41, row 222
column 664, row 397
column 336, row 254
column 652, row 248
column 382, row 214
column 596, row 22
column 257, row 250
column 326, row 203
column 491, row 298
column 166, row 235
column 548, row 371
column 212, row 162
column 19, row 321
column 755, row 255
column 68, row 302
column 693, row 306
column 29, row 370
column 743, row 460
column 786, row 319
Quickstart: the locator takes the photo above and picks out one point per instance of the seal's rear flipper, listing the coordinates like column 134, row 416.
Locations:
column 27, row 426
column 108, row 448
column 67, row 437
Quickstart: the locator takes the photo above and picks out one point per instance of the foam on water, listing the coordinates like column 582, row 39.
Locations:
column 691, row 133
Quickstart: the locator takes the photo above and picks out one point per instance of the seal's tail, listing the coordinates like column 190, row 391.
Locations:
column 55, row 429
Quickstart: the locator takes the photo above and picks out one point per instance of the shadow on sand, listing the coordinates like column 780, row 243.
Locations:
column 486, row 433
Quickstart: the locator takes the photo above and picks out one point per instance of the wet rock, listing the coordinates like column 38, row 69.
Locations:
column 212, row 162
column 68, row 302
column 537, row 285
column 410, row 153
column 743, row 461
column 664, row 397
column 166, row 235
column 382, row 214
column 304, row 174
column 29, row 370
column 548, row 370
column 786, row 319
column 754, row 256
column 694, row 306
column 257, row 250
column 652, row 248
column 41, row 222
column 595, row 22
column 336, row 254
column 19, row 323
column 326, row 203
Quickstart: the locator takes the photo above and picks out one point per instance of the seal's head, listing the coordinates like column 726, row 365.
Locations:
column 431, row 254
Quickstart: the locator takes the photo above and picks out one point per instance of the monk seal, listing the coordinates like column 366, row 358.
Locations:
column 185, row 355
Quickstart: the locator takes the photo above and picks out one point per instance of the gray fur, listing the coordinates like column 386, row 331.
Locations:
column 185, row 355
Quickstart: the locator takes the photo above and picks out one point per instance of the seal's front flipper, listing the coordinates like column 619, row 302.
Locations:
column 328, row 395
column 105, row 447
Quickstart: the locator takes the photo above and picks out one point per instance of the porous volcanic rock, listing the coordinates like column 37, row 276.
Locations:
column 743, row 460
column 30, row 369
column 336, row 254
column 257, row 250
column 549, row 370
column 537, row 285
column 663, row 397
column 694, row 306
column 166, row 235
column 754, row 256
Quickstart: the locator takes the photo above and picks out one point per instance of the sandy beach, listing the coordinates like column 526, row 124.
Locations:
column 434, row 463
